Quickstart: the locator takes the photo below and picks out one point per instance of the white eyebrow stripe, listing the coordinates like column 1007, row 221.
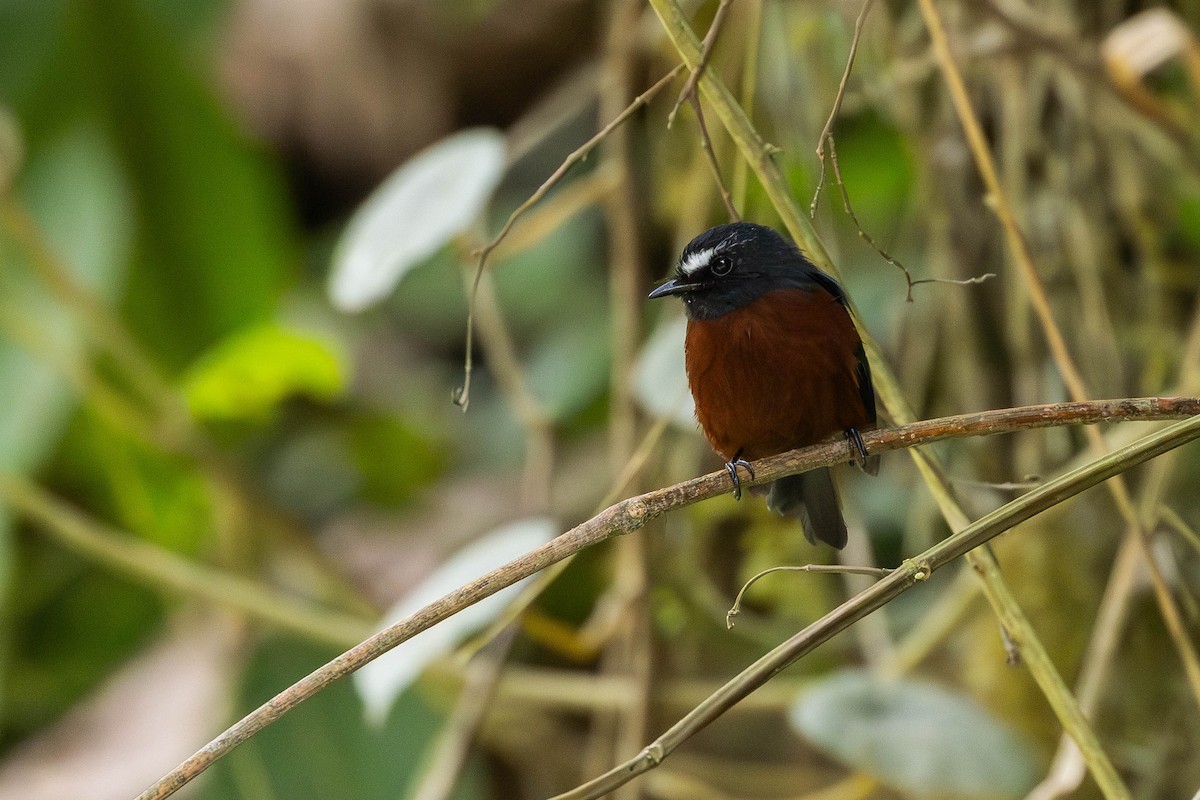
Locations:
column 696, row 261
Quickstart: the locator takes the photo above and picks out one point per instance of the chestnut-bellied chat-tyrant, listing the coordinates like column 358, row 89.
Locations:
column 774, row 362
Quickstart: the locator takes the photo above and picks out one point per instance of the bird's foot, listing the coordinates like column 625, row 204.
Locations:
column 858, row 446
column 731, row 467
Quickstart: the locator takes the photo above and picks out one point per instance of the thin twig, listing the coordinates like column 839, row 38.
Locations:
column 632, row 513
column 688, row 94
column 736, row 608
column 827, row 131
column 837, row 175
column 987, row 276
column 582, row 193
column 707, row 47
column 826, row 138
column 711, row 156
column 886, row 256
column 462, row 397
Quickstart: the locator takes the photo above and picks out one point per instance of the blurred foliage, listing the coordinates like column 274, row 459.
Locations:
column 249, row 374
column 331, row 751
column 954, row 747
column 171, row 365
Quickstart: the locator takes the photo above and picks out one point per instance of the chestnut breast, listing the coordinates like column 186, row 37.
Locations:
column 776, row 374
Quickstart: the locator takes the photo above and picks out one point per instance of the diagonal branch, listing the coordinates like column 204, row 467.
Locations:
column 630, row 514
column 711, row 156
column 910, row 573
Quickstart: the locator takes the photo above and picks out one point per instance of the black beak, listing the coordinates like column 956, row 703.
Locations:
column 673, row 286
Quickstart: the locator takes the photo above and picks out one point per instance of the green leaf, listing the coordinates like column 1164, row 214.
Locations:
column 248, row 375
column 914, row 736
column 393, row 457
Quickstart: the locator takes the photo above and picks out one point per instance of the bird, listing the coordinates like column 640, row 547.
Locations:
column 774, row 362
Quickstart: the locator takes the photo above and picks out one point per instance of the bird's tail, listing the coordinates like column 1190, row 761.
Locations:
column 811, row 498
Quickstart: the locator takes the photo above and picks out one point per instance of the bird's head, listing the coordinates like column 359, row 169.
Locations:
column 730, row 266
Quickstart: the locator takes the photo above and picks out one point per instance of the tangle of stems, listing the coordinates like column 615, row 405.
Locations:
column 632, row 513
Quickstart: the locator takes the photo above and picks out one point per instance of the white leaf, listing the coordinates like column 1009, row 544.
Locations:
column 914, row 736
column 417, row 210
column 379, row 683
column 660, row 380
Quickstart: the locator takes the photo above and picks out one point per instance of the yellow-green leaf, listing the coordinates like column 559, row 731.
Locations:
column 250, row 373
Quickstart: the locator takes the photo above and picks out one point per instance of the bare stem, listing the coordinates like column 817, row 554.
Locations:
column 736, row 608
column 711, row 157
column 462, row 397
column 710, row 42
column 827, row 131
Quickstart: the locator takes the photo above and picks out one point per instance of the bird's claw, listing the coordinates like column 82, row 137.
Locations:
column 731, row 467
column 858, row 446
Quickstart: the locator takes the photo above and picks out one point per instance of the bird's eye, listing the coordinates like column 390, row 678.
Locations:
column 721, row 266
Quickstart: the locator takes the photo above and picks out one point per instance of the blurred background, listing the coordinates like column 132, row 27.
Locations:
column 237, row 239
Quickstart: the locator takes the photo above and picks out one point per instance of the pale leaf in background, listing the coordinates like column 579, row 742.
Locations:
column 660, row 381
column 914, row 736
column 379, row 683
column 416, row 211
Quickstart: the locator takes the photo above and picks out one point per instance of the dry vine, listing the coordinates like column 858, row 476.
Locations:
column 462, row 397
